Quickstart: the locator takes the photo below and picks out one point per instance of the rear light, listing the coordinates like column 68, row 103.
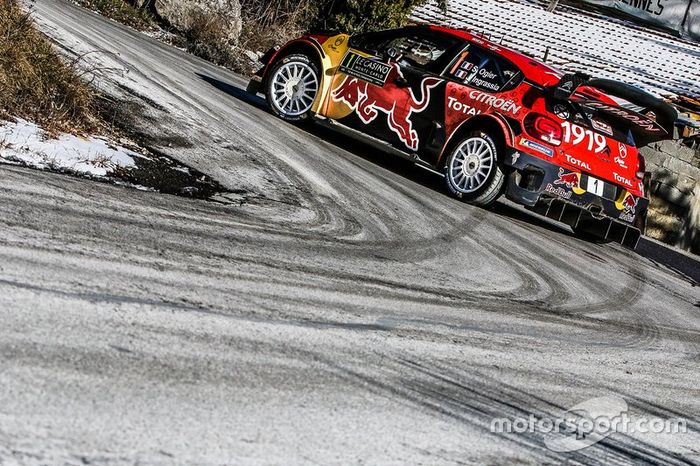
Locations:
column 543, row 128
column 641, row 167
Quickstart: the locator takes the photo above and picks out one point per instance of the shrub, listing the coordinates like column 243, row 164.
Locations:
column 206, row 38
column 121, row 11
column 356, row 16
column 34, row 83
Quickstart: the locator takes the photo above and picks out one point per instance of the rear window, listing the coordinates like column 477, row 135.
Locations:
column 481, row 69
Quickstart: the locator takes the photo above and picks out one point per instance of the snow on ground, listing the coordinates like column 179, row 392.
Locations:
column 580, row 40
column 26, row 143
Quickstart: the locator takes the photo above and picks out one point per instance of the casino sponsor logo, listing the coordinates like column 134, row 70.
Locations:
column 536, row 146
column 367, row 69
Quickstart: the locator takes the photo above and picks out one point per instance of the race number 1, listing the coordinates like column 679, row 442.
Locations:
column 595, row 186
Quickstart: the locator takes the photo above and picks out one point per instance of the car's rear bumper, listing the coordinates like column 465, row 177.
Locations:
column 583, row 222
column 554, row 192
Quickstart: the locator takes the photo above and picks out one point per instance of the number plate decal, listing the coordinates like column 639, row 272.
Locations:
column 595, row 186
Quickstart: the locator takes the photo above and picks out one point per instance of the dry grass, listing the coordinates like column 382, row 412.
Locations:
column 265, row 24
column 35, row 83
column 665, row 220
column 122, row 12
column 206, row 38
column 268, row 23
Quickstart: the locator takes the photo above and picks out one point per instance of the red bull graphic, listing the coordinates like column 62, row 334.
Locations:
column 571, row 180
column 368, row 100
column 630, row 204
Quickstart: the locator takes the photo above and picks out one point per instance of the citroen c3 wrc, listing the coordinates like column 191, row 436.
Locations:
column 492, row 120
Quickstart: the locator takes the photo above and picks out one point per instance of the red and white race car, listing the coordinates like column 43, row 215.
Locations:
column 492, row 120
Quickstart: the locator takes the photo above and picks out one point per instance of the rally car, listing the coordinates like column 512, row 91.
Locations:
column 490, row 119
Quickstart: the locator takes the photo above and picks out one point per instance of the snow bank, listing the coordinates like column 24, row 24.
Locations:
column 26, row 143
column 580, row 40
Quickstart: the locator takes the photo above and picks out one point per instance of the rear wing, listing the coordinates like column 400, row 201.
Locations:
column 654, row 122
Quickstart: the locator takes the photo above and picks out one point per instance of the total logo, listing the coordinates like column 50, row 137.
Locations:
column 458, row 106
column 623, row 180
column 577, row 163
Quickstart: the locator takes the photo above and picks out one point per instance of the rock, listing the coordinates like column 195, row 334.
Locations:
column 690, row 233
column 221, row 18
column 141, row 4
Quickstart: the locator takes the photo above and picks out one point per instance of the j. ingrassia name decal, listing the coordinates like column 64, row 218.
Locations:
column 367, row 69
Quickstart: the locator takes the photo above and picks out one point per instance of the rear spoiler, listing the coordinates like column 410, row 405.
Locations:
column 645, row 128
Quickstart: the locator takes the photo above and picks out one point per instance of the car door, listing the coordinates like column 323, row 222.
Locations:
column 388, row 85
column 480, row 81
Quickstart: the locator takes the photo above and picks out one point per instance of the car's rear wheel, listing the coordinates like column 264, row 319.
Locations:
column 292, row 87
column 472, row 170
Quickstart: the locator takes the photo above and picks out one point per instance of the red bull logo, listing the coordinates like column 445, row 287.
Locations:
column 630, row 204
column 368, row 100
column 570, row 180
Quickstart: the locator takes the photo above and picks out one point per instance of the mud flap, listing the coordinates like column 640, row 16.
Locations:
column 254, row 86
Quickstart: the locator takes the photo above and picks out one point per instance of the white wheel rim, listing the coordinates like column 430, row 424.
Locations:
column 471, row 165
column 294, row 88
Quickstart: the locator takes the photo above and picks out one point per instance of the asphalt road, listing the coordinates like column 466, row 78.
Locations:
column 337, row 309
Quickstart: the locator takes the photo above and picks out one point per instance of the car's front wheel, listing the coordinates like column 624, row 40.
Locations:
column 472, row 170
column 292, row 87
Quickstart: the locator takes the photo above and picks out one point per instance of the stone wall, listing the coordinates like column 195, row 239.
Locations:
column 675, row 171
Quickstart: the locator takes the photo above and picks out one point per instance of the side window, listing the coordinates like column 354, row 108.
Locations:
column 411, row 46
column 484, row 70
column 372, row 41
column 418, row 50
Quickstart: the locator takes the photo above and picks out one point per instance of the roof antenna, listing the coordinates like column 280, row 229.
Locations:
column 546, row 55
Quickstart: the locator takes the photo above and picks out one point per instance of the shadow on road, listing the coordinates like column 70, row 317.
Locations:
column 688, row 267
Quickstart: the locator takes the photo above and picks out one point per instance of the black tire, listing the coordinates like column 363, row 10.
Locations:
column 486, row 192
column 270, row 86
